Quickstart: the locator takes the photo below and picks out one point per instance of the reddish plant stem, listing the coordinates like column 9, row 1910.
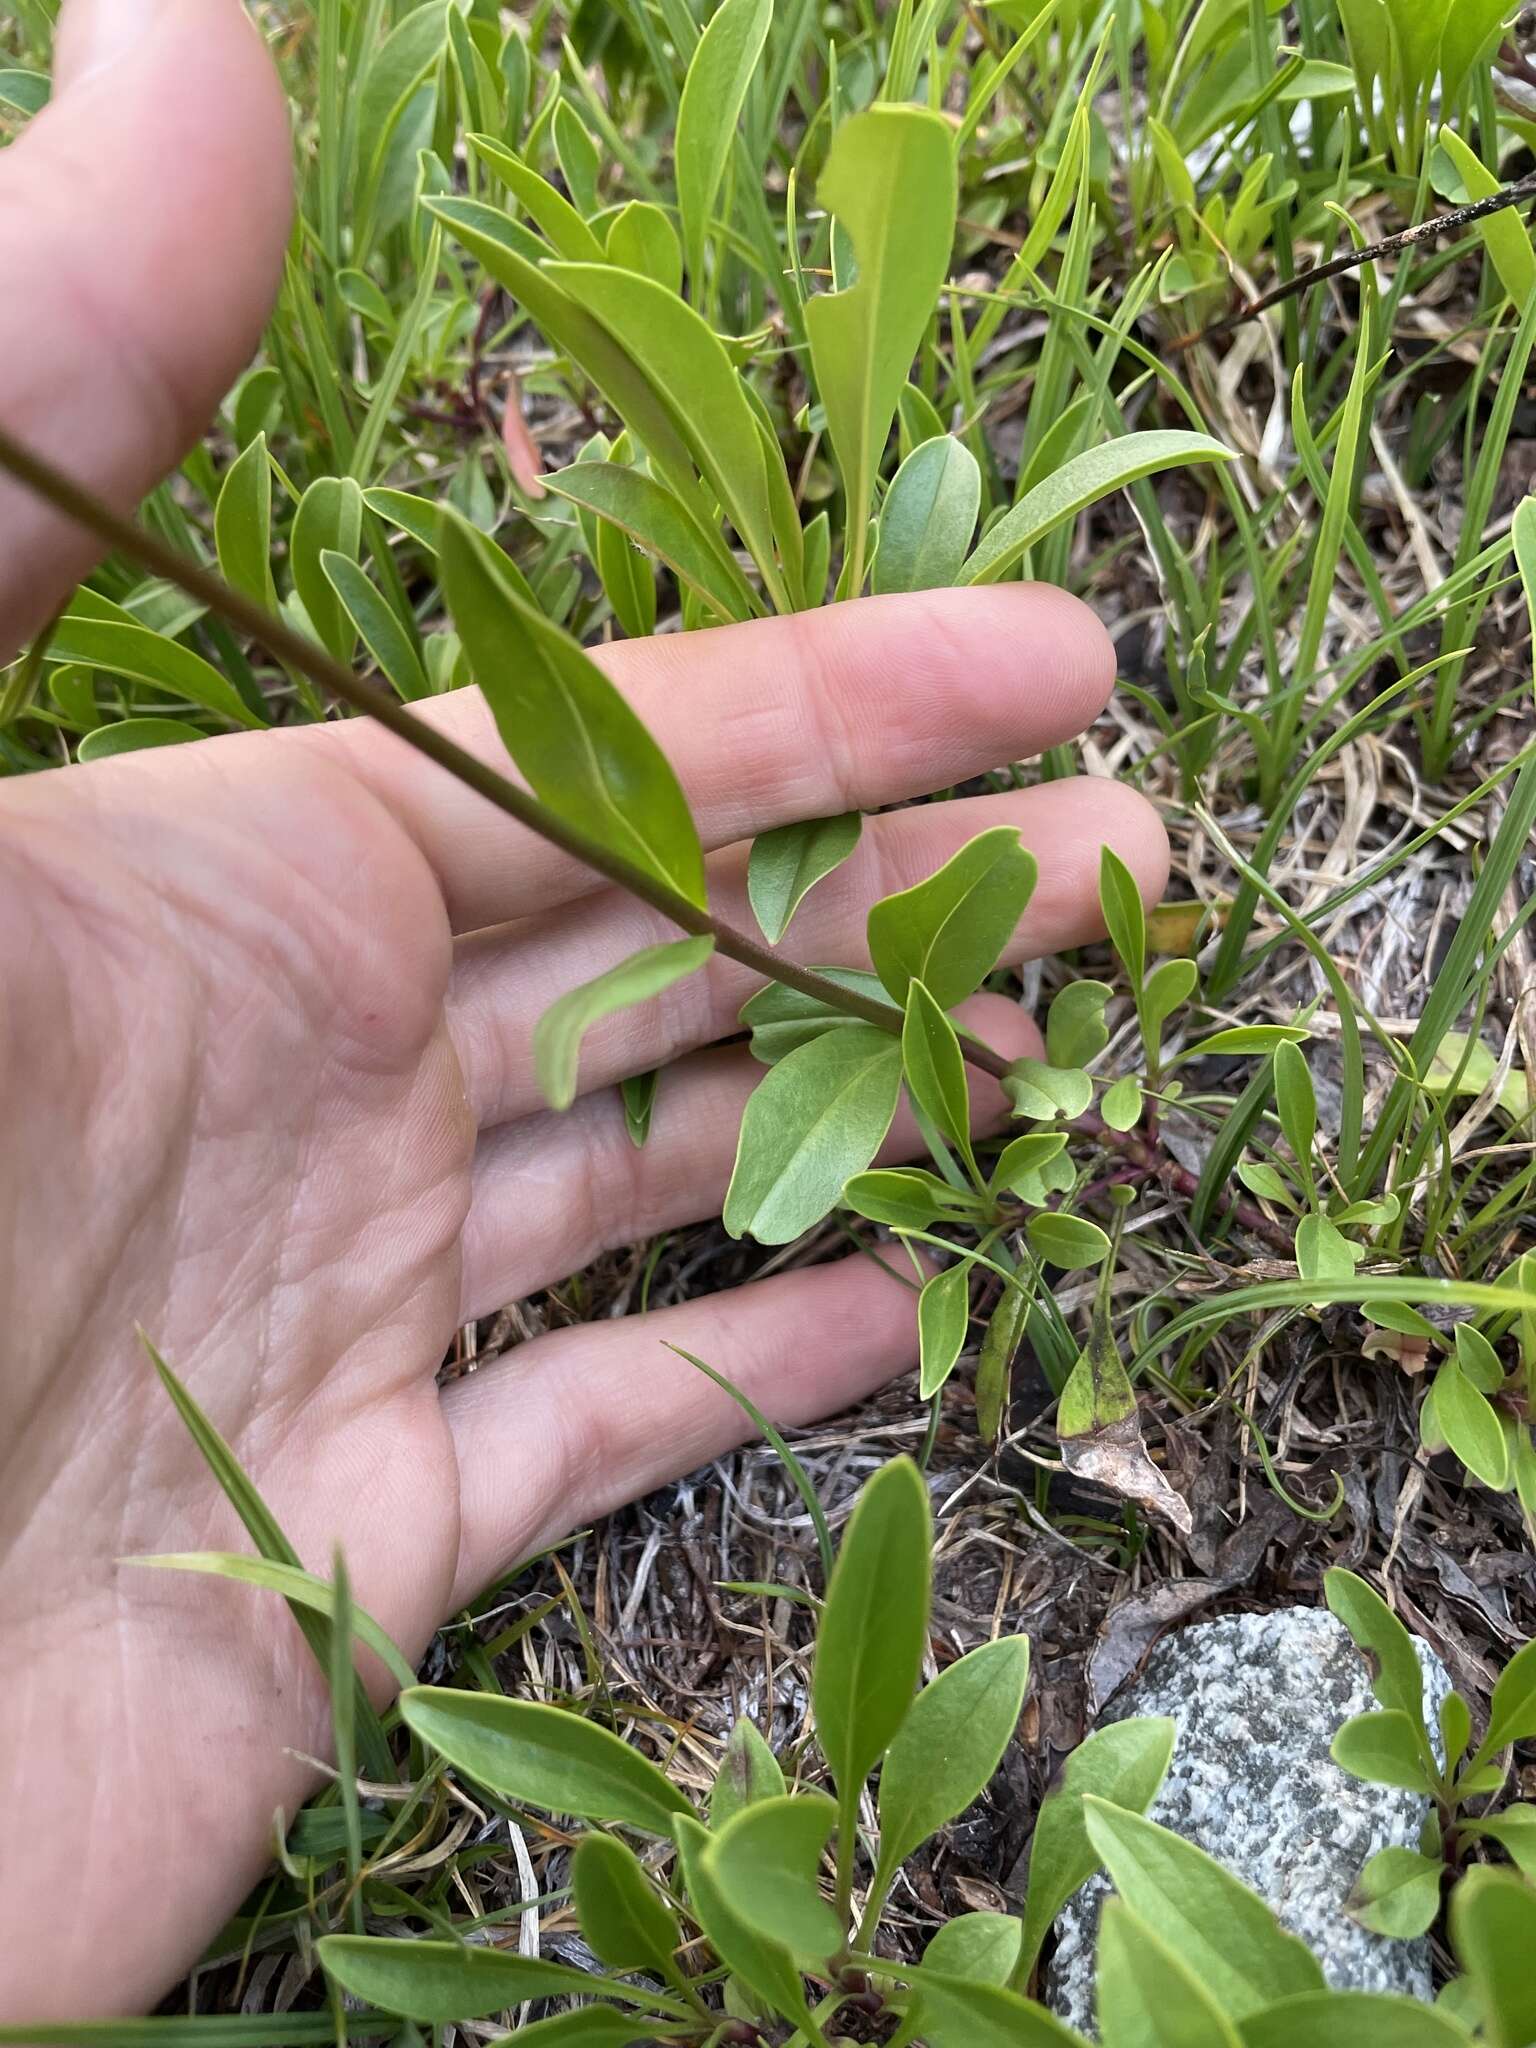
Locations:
column 1154, row 1163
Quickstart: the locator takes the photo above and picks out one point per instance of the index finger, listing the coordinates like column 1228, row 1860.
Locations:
column 848, row 708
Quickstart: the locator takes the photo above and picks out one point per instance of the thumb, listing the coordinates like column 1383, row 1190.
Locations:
column 143, row 218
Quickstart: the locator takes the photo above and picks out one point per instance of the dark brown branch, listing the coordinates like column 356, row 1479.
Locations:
column 1352, row 259
column 292, row 649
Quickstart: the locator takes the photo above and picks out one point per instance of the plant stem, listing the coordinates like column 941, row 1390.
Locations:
column 1459, row 217
column 292, row 649
column 847, row 1849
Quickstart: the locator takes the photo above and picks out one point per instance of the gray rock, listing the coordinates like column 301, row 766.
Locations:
column 1258, row 1699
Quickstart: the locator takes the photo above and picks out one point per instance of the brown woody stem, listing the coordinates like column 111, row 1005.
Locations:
column 292, row 649
column 1438, row 224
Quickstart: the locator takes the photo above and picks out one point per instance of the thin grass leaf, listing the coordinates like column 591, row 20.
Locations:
column 274, row 1546
column 1078, row 484
column 297, row 1586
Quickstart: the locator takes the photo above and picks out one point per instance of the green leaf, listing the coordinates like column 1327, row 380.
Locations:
column 714, row 93
column 1478, row 1359
column 131, row 735
column 949, row 1746
column 874, row 1627
column 978, row 1948
column 1098, row 1393
column 1066, row 1241
column 329, row 521
column 1382, row 1747
column 686, row 365
column 928, row 518
column 640, row 237
column 583, row 2026
column 125, row 649
column 1043, row 1092
column 379, row 625
column 781, row 1018
column 943, row 1321
column 1121, row 1104
column 628, row 580
column 1515, row 1832
column 889, row 180
column 1493, row 1930
column 994, row 1366
column 949, row 930
column 1125, row 917
column 1471, row 1427
column 1225, row 1933
column 1079, row 483
column 764, row 1966
column 1075, row 1031
column 906, row 1197
column 1267, row 1182
column 1512, row 1714
column 622, row 1920
column 658, row 521
column 1396, row 1676
column 1350, row 2019
column 550, row 210
column 1469, row 27
column 543, row 1756
column 267, row 1534
column 24, row 92
column 1021, row 1160
column 1296, row 1104
column 577, row 155
column 766, row 1863
column 789, row 861
column 749, row 1771
column 242, row 525
column 1455, row 1730
column 1504, row 235
column 1124, row 1763
column 1245, row 1038
column 411, row 514
column 499, row 243
column 958, row 2014
column 582, row 749
column 1323, row 1252
column 1398, row 1894
column 388, row 83
column 437, row 1982
column 557, row 1036
column 187, row 2030
column 297, row 1586
column 1147, row 1995
column 1168, row 986
column 815, row 1120
column 934, row 1067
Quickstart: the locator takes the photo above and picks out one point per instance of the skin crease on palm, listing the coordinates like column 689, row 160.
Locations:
column 265, row 1028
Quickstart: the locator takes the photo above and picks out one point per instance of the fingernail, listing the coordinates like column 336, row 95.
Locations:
column 94, row 35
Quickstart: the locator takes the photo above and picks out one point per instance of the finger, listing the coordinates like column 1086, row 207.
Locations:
column 551, row 1193
column 503, row 982
column 603, row 1413
column 142, row 221
column 847, row 708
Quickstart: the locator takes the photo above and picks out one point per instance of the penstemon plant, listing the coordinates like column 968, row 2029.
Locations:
column 634, row 300
column 1401, row 1891
column 756, row 1916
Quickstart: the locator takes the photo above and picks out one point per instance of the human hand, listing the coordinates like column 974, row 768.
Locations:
column 266, row 1042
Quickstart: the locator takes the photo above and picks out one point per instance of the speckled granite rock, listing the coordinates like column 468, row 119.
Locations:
column 1258, row 1699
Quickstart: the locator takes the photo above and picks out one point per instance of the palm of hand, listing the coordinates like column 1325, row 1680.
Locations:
column 260, row 1151
column 266, row 1043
